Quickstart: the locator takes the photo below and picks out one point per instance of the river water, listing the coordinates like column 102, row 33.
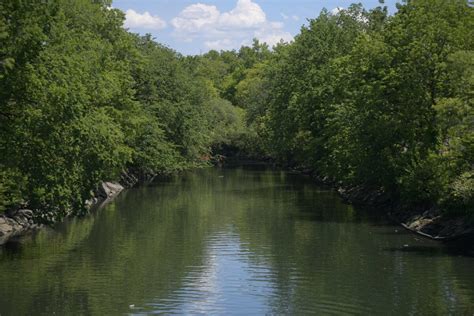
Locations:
column 241, row 240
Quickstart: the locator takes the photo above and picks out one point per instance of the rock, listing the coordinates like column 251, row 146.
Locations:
column 18, row 222
column 15, row 223
column 88, row 203
column 128, row 180
column 108, row 190
column 5, row 229
column 25, row 213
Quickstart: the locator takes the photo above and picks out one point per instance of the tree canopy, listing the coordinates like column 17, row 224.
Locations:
column 361, row 97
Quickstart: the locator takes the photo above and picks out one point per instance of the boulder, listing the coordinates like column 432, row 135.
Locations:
column 108, row 190
column 16, row 223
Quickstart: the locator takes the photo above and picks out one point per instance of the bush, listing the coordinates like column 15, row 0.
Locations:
column 11, row 183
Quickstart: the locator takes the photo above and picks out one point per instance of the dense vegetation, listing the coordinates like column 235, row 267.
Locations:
column 364, row 98
column 382, row 101
column 360, row 97
column 82, row 100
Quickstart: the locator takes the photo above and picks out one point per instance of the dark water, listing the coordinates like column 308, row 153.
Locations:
column 233, row 241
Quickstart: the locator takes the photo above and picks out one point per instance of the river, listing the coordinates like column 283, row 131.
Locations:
column 243, row 240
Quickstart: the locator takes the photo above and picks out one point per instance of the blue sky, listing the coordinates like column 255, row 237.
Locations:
column 196, row 26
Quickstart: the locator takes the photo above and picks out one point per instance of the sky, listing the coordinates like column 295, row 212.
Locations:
column 194, row 27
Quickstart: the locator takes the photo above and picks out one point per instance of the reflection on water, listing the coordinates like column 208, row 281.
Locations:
column 233, row 241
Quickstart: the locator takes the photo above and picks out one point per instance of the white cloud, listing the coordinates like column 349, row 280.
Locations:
column 284, row 16
column 272, row 33
column 220, row 44
column 144, row 20
column 246, row 14
column 295, row 17
column 227, row 30
column 195, row 18
column 198, row 17
column 337, row 10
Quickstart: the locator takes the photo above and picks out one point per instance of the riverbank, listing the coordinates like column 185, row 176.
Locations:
column 430, row 223
column 21, row 222
column 427, row 222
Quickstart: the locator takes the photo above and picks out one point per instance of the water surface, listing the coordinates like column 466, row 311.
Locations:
column 233, row 241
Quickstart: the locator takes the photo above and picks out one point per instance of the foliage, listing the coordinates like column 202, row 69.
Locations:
column 383, row 101
column 11, row 183
column 361, row 97
column 82, row 100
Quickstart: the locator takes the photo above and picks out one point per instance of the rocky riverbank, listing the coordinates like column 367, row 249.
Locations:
column 427, row 222
column 16, row 223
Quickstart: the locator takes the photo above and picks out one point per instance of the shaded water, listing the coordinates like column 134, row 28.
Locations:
column 233, row 241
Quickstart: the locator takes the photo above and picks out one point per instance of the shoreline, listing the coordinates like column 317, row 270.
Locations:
column 425, row 222
column 19, row 223
column 15, row 224
column 429, row 223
